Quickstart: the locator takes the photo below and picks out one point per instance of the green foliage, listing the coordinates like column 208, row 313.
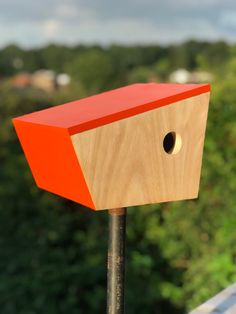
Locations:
column 49, row 263
column 162, row 68
column 213, row 56
column 53, row 252
column 93, row 69
column 140, row 74
column 7, row 57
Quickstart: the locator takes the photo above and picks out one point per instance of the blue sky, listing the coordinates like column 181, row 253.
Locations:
column 35, row 23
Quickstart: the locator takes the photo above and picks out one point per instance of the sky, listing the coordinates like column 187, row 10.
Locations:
column 31, row 23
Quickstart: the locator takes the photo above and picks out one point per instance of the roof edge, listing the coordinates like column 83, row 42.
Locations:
column 203, row 88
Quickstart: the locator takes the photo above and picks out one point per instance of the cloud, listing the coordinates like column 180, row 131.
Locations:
column 51, row 28
column 129, row 21
column 228, row 19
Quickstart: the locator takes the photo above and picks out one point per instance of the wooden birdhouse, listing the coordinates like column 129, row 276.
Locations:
column 135, row 145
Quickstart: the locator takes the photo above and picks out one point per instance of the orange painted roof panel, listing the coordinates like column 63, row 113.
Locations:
column 107, row 107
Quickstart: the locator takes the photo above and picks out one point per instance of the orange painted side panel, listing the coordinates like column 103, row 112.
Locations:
column 53, row 161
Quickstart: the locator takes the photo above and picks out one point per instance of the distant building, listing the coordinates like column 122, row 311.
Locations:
column 22, row 80
column 45, row 80
column 182, row 76
column 63, row 80
column 201, row 77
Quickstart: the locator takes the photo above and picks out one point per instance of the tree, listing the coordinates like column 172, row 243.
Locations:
column 93, row 69
column 53, row 252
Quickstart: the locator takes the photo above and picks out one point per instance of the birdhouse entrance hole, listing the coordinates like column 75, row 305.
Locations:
column 172, row 143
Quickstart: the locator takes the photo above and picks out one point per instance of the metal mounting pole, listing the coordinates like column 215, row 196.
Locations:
column 116, row 261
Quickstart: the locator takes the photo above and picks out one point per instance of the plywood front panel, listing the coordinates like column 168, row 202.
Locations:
column 124, row 162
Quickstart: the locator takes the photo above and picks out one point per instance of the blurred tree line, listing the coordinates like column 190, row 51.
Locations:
column 99, row 68
column 53, row 252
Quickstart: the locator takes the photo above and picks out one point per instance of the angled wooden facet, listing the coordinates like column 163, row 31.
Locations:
column 124, row 163
column 106, row 151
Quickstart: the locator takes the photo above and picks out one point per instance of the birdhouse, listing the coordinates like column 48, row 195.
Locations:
column 134, row 145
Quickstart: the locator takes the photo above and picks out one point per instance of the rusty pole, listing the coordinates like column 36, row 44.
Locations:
column 116, row 261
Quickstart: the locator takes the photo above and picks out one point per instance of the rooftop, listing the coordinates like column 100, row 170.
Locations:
column 107, row 107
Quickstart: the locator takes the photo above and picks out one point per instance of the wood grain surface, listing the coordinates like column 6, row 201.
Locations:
column 125, row 164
